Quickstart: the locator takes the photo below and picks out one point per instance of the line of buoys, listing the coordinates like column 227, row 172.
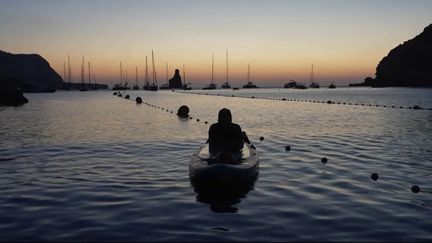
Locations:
column 324, row 160
column 416, row 107
column 415, row 189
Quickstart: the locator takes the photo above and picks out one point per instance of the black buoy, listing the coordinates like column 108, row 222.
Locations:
column 138, row 100
column 374, row 176
column 415, row 189
column 205, row 122
column 190, row 118
column 416, row 107
column 183, row 111
column 287, row 148
column 119, row 95
column 324, row 160
column 329, row 102
column 127, row 97
column 261, row 138
column 115, row 93
column 198, row 120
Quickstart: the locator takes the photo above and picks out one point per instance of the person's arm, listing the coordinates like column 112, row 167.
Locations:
column 239, row 138
column 213, row 146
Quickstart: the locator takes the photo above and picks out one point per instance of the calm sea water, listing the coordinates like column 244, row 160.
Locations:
column 92, row 166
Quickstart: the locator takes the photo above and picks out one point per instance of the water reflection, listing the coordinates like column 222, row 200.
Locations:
column 221, row 196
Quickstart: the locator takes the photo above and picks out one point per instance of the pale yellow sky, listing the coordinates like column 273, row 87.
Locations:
column 344, row 40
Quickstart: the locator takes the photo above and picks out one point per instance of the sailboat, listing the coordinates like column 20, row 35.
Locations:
column 153, row 86
column 185, row 86
column 120, row 86
column 95, row 85
column 83, row 86
column 136, row 87
column 212, row 85
column 249, row 84
column 165, row 85
column 226, row 85
column 146, row 78
column 312, row 83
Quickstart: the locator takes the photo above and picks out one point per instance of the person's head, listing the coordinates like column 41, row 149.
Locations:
column 224, row 116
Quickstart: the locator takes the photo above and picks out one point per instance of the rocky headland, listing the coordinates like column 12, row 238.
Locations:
column 407, row 65
column 176, row 81
column 32, row 70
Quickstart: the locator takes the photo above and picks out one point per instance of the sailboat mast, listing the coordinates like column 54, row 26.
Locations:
column 64, row 71
column 146, row 77
column 248, row 75
column 227, row 66
column 69, row 70
column 89, row 73
column 166, row 72
column 184, row 75
column 312, row 74
column 82, row 70
column 154, row 72
column 212, row 68
column 94, row 78
column 121, row 73
column 136, row 75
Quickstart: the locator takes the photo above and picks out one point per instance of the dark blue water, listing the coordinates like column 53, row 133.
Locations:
column 96, row 167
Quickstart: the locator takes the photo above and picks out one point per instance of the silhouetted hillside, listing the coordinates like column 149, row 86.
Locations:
column 409, row 64
column 32, row 70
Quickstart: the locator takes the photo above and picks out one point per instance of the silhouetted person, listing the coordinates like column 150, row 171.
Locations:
column 225, row 136
column 183, row 111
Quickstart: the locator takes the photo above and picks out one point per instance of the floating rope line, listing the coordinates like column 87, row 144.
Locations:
column 324, row 160
column 415, row 107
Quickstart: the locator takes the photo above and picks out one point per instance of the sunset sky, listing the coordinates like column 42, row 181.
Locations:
column 344, row 40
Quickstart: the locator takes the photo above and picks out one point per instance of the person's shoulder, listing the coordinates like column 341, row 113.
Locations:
column 237, row 126
column 214, row 126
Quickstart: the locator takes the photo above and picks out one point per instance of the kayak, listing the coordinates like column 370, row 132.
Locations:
column 245, row 168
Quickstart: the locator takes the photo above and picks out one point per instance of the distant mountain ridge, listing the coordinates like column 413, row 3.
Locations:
column 32, row 70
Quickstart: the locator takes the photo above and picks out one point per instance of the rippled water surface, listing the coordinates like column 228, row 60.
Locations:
column 93, row 166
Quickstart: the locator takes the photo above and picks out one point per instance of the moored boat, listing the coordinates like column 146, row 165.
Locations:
column 249, row 84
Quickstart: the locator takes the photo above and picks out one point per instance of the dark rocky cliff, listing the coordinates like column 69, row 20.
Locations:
column 32, row 70
column 10, row 92
column 409, row 64
column 176, row 81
